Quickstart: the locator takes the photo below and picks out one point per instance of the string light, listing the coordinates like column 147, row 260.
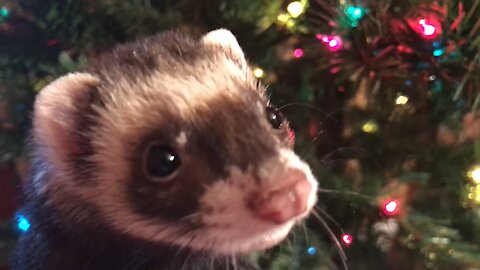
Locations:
column 22, row 223
column 347, row 239
column 474, row 173
column 283, row 17
column 438, row 52
column 298, row 53
column 4, row 12
column 474, row 194
column 354, row 14
column 312, row 250
column 401, row 100
column 295, row 8
column 429, row 30
column 391, row 207
column 370, row 127
column 258, row 72
column 290, row 24
column 334, row 43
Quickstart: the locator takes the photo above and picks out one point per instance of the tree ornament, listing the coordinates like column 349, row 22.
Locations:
column 471, row 127
column 446, row 136
column 354, row 172
column 387, row 231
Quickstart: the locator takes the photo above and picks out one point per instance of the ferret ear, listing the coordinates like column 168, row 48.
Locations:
column 59, row 111
column 224, row 39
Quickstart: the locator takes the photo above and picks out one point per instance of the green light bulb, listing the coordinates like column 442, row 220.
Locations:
column 4, row 12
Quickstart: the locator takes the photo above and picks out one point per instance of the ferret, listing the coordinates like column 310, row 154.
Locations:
column 164, row 155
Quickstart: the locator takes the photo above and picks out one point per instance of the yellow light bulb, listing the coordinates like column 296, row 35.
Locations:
column 401, row 100
column 295, row 8
column 283, row 17
column 258, row 72
column 370, row 127
column 474, row 173
column 290, row 24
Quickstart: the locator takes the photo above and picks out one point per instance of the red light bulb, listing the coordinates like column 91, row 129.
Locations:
column 347, row 239
column 391, row 207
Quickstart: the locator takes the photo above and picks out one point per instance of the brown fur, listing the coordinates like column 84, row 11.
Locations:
column 195, row 95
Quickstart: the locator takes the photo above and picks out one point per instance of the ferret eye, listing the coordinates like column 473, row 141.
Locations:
column 161, row 162
column 275, row 117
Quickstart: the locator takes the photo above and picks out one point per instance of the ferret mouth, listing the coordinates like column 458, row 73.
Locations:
column 245, row 236
column 245, row 232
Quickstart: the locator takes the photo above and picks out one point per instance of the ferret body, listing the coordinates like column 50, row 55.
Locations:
column 164, row 155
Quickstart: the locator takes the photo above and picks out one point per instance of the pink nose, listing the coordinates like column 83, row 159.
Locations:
column 283, row 204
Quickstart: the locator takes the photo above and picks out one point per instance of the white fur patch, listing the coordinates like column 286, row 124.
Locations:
column 227, row 41
column 181, row 138
column 235, row 228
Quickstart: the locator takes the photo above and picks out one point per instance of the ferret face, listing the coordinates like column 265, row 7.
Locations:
column 172, row 141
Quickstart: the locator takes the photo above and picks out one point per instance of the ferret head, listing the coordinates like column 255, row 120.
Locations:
column 172, row 141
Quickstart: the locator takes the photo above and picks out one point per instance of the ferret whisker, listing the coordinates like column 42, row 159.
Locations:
column 186, row 260
column 304, row 229
column 189, row 217
column 294, row 239
column 345, row 192
column 183, row 246
column 211, row 265
column 362, row 151
column 234, row 262
column 289, row 242
column 332, row 235
column 227, row 259
column 316, row 109
column 310, row 147
column 329, row 217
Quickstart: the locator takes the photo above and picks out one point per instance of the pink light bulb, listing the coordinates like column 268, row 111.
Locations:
column 333, row 43
column 347, row 239
column 297, row 53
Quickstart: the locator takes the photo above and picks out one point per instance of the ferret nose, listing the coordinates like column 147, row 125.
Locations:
column 284, row 202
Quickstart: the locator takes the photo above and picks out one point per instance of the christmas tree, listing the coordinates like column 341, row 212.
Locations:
column 383, row 96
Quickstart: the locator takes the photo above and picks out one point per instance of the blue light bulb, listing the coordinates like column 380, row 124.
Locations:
column 22, row 223
column 438, row 52
column 311, row 251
